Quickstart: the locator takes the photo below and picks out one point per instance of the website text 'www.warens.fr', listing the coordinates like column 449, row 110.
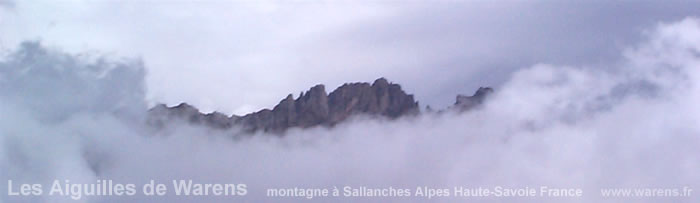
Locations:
column 646, row 192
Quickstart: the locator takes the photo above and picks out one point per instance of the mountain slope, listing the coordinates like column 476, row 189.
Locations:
column 314, row 108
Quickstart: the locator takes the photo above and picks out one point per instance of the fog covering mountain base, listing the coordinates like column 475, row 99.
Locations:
column 632, row 124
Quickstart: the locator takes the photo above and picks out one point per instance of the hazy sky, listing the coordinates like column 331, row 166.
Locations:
column 240, row 56
column 610, row 102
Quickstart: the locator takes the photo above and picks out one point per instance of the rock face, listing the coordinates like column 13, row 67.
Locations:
column 380, row 98
column 312, row 108
column 160, row 114
column 315, row 107
column 464, row 103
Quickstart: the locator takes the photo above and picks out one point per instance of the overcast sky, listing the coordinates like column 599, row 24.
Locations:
column 241, row 56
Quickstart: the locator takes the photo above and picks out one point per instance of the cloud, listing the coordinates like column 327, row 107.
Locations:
column 200, row 53
column 10, row 4
column 632, row 124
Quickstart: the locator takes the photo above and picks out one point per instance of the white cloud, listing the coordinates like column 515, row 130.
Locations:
column 243, row 56
column 633, row 124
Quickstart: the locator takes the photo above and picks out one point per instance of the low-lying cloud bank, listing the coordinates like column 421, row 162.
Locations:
column 634, row 124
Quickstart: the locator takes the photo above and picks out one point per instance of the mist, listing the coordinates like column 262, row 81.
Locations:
column 633, row 123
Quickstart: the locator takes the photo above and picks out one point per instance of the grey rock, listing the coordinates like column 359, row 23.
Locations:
column 380, row 98
column 314, row 108
column 160, row 115
column 464, row 103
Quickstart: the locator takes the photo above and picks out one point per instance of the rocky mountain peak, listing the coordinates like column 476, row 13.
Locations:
column 483, row 91
column 467, row 102
column 315, row 108
column 380, row 82
column 380, row 98
column 160, row 114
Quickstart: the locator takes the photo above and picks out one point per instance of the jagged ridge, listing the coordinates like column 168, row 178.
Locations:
column 314, row 107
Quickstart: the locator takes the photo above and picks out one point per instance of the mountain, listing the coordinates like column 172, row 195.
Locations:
column 314, row 108
column 464, row 103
